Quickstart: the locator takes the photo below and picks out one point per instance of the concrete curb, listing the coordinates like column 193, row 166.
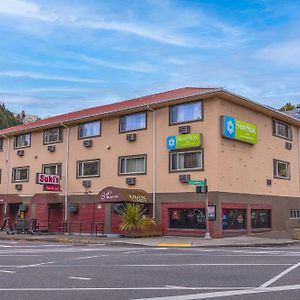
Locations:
column 106, row 241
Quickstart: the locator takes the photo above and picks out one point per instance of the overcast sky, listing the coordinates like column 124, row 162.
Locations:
column 63, row 55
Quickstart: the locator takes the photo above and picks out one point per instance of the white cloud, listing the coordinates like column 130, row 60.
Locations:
column 32, row 75
column 286, row 53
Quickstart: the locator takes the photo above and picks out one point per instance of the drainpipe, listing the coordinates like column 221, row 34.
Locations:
column 66, row 171
column 153, row 159
column 8, row 170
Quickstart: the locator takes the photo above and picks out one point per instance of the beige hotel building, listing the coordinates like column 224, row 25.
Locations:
column 73, row 171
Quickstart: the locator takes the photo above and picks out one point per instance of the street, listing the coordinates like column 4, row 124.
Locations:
column 34, row 270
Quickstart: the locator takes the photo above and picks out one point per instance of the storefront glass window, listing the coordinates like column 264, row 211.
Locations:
column 233, row 218
column 260, row 218
column 187, row 218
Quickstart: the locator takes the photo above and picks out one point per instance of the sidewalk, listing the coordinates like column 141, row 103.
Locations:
column 266, row 239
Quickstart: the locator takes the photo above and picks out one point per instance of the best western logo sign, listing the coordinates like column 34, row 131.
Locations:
column 184, row 141
column 47, row 179
column 238, row 130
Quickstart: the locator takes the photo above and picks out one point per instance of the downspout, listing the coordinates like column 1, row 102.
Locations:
column 153, row 160
column 66, row 171
column 8, row 170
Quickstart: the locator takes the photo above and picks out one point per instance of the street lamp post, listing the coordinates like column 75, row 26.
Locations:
column 207, row 234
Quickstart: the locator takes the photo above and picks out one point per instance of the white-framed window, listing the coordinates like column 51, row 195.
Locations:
column 90, row 129
column 186, row 160
column 22, row 140
column 282, row 130
column 132, row 164
column 53, row 135
column 281, row 169
column 88, row 168
column 186, row 112
column 52, row 169
column 1, row 144
column 20, row 174
column 294, row 213
column 133, row 122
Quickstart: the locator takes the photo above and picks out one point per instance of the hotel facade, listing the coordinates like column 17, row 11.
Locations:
column 73, row 171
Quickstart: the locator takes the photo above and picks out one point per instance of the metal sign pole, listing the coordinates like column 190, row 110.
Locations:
column 207, row 234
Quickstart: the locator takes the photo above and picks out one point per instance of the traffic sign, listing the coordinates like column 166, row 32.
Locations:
column 197, row 182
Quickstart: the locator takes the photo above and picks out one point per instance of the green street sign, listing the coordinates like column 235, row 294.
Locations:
column 197, row 182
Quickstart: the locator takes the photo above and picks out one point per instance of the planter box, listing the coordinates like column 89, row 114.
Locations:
column 146, row 231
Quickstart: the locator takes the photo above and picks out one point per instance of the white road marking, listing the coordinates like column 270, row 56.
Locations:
column 272, row 280
column 36, row 265
column 5, row 271
column 79, row 278
column 136, row 251
column 85, row 257
column 190, row 265
column 227, row 293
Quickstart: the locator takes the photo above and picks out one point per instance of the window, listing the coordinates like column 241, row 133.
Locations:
column 20, row 174
column 233, row 218
column 281, row 169
column 282, row 130
column 133, row 122
column 89, row 129
column 294, row 214
column 53, row 169
column 132, row 165
column 186, row 112
column 260, row 218
column 1, row 144
column 22, row 140
column 88, row 168
column 53, row 135
column 188, row 160
column 187, row 218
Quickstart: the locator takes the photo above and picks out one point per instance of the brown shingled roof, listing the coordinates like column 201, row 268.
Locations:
column 118, row 106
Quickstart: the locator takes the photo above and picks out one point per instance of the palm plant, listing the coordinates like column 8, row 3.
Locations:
column 133, row 217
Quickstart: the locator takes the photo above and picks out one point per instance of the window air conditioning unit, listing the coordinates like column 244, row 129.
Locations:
column 20, row 152
column 86, row 183
column 288, row 145
column 184, row 129
column 87, row 143
column 131, row 137
column 18, row 187
column 51, row 148
column 184, row 178
column 130, row 181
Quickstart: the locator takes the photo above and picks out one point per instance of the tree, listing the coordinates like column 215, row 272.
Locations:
column 287, row 106
column 7, row 118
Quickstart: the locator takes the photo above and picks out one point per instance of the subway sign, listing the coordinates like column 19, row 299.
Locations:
column 238, row 130
column 183, row 141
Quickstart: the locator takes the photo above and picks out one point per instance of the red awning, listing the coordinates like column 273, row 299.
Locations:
column 10, row 198
column 113, row 194
column 47, row 198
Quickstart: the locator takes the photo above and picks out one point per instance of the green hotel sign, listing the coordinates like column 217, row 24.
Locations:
column 239, row 130
column 184, row 141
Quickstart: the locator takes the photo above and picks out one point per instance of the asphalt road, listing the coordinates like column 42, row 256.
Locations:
column 32, row 270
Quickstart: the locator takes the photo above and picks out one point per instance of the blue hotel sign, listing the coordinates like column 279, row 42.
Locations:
column 183, row 141
column 238, row 130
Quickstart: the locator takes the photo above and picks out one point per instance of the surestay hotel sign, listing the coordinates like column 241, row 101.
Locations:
column 183, row 141
column 238, row 130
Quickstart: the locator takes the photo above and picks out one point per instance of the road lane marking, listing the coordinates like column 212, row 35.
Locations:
column 85, row 257
column 79, row 278
column 5, row 271
column 174, row 245
column 226, row 293
column 191, row 265
column 36, row 265
column 136, row 251
column 272, row 280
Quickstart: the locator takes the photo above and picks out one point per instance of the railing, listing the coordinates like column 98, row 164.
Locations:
column 80, row 228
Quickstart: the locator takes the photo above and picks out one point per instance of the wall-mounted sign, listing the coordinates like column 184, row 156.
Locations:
column 184, row 141
column 47, row 179
column 211, row 211
column 51, row 187
column 238, row 130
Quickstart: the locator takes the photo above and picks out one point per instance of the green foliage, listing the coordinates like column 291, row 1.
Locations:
column 287, row 106
column 7, row 118
column 133, row 217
